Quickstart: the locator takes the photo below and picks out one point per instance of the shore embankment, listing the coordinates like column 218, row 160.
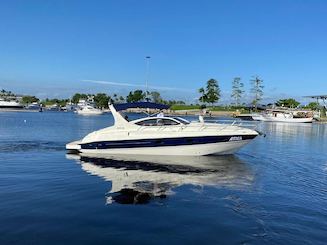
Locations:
column 322, row 120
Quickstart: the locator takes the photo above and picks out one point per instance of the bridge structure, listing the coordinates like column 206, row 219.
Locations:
column 318, row 97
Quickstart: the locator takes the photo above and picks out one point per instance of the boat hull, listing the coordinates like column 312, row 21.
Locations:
column 278, row 119
column 220, row 148
column 87, row 113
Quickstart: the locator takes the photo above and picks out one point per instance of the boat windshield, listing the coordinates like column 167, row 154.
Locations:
column 158, row 122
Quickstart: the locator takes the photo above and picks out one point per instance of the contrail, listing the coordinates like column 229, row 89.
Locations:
column 138, row 85
column 114, row 83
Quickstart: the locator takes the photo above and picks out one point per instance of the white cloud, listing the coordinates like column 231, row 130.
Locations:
column 139, row 85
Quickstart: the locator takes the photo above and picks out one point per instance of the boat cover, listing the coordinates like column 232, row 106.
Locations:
column 150, row 105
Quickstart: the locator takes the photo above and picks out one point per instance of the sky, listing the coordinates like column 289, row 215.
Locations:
column 54, row 48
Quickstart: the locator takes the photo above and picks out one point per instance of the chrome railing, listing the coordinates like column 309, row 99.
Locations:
column 224, row 123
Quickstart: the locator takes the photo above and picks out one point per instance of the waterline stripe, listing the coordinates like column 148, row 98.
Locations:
column 164, row 142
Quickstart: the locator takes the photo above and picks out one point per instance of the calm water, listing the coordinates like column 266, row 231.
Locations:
column 273, row 191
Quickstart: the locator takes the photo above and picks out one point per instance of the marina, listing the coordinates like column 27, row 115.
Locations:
column 163, row 122
column 59, row 197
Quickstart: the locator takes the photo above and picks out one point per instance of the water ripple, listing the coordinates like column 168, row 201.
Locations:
column 22, row 146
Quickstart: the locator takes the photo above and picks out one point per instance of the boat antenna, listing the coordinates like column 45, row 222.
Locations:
column 147, row 77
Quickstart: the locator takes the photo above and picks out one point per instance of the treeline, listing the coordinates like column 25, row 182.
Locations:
column 292, row 103
column 210, row 94
column 4, row 92
column 28, row 99
column 102, row 100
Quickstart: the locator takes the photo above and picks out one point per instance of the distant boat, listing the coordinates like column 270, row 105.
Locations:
column 284, row 115
column 70, row 107
column 53, row 107
column 87, row 107
column 89, row 110
column 34, row 107
column 10, row 104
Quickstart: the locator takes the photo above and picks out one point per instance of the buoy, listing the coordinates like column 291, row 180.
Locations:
column 24, row 120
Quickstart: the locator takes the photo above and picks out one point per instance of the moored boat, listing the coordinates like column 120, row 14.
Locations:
column 35, row 106
column 282, row 115
column 89, row 110
column 87, row 107
column 10, row 104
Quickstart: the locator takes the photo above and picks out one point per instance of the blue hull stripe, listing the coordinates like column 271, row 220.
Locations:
column 164, row 142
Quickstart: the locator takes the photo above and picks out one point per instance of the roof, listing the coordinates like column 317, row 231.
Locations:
column 147, row 105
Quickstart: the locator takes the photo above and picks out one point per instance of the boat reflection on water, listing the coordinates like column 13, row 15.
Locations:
column 140, row 179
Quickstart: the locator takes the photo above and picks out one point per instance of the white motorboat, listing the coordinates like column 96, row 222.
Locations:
column 54, row 107
column 87, row 107
column 278, row 115
column 89, row 110
column 162, row 136
column 10, row 104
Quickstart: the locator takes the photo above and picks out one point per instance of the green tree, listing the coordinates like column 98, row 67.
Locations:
column 313, row 105
column 135, row 96
column 147, row 95
column 60, row 102
column 101, row 100
column 257, row 90
column 156, row 97
column 237, row 90
column 211, row 94
column 29, row 99
column 121, row 99
column 213, row 91
column 115, row 98
column 76, row 97
column 6, row 93
column 203, row 98
column 290, row 102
